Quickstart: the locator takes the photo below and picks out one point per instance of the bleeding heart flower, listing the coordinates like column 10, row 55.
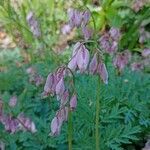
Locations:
column 60, row 87
column 73, row 102
column 85, row 17
column 13, row 101
column 121, row 60
column 93, row 64
column 102, row 71
column 55, row 127
column 146, row 52
column 83, row 58
column 87, row 32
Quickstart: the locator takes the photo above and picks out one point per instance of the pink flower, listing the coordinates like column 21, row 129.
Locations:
column 114, row 33
column 93, row 64
column 65, row 97
column 102, row 71
column 83, row 58
column 55, row 127
column 73, row 63
column 75, row 17
column 73, row 102
column 13, row 101
column 85, row 17
column 87, row 32
column 48, row 88
column 66, row 29
column 146, row 52
column 137, row 66
column 121, row 60
column 60, row 87
column 26, row 123
column 10, row 123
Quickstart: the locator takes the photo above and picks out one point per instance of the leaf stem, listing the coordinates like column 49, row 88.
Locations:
column 97, row 135
column 70, row 129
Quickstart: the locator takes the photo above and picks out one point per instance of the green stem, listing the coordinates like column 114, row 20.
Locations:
column 70, row 130
column 97, row 135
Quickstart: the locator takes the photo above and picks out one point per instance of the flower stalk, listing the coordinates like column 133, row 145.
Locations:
column 70, row 129
column 97, row 133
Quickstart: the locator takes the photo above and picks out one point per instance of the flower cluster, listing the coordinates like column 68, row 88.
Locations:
column 34, row 77
column 121, row 60
column 33, row 24
column 80, row 19
column 14, row 124
column 55, row 85
column 138, row 5
column 109, row 40
column 81, row 58
column 144, row 35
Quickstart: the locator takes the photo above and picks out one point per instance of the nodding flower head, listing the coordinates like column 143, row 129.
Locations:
column 85, row 17
column 60, row 87
column 83, row 57
column 13, row 101
column 146, row 52
column 33, row 24
column 75, row 17
column 87, row 32
column 73, row 102
column 136, row 66
column 114, row 33
column 121, row 60
column 55, row 127
column 26, row 123
column 102, row 71
column 93, row 64
column 11, row 124
column 49, row 85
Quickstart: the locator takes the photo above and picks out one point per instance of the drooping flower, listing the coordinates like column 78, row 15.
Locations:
column 55, row 127
column 13, row 101
column 114, row 33
column 102, row 71
column 83, row 57
column 48, row 88
column 87, row 32
column 121, row 60
column 26, row 123
column 136, row 66
column 60, row 87
column 73, row 102
column 75, row 17
column 146, row 52
column 65, row 97
column 66, row 29
column 33, row 24
column 85, row 17
column 93, row 64
column 11, row 124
